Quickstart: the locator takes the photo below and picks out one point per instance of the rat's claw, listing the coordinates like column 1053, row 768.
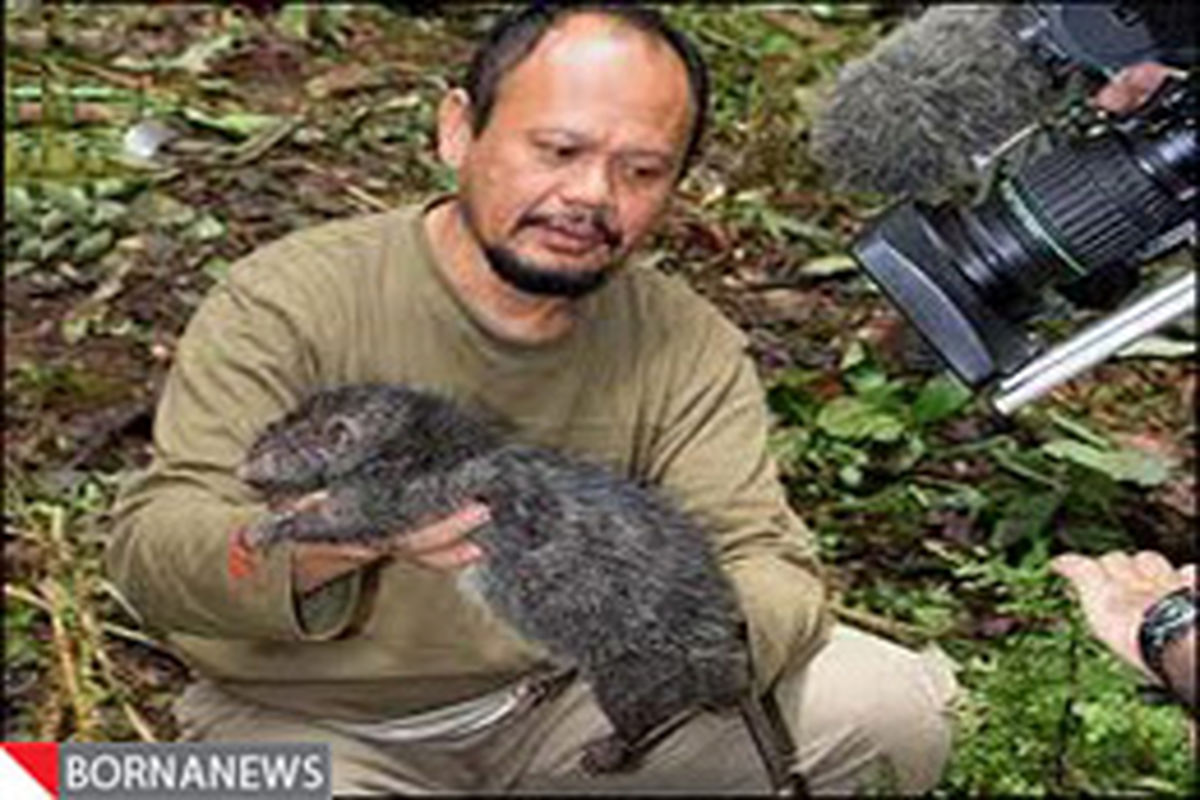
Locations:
column 311, row 501
column 267, row 532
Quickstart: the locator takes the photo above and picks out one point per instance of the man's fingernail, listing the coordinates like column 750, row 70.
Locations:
column 481, row 514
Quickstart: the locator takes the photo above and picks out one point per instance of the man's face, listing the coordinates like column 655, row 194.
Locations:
column 579, row 157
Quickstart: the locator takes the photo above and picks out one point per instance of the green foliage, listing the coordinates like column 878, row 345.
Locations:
column 57, row 655
column 874, row 431
column 1143, row 469
column 1054, row 712
column 1044, row 708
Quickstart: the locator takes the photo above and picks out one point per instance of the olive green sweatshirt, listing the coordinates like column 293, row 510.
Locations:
column 651, row 380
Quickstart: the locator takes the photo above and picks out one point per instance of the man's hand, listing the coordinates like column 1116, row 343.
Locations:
column 440, row 545
column 1116, row 589
column 1131, row 87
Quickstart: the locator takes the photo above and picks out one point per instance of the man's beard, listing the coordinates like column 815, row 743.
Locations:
column 532, row 279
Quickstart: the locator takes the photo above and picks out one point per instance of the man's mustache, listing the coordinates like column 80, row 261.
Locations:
column 585, row 225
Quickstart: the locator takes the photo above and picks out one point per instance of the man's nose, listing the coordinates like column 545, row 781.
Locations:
column 591, row 184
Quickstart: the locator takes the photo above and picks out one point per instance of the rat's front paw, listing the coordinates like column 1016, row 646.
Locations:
column 333, row 517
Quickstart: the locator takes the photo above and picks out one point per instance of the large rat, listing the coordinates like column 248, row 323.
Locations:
column 608, row 575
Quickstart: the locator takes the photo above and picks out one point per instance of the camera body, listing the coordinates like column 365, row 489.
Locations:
column 1079, row 219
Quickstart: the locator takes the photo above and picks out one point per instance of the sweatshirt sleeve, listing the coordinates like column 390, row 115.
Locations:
column 245, row 358
column 711, row 454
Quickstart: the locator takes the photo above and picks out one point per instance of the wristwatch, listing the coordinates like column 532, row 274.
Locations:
column 1171, row 617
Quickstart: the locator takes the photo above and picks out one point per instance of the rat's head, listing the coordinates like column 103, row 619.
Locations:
column 328, row 435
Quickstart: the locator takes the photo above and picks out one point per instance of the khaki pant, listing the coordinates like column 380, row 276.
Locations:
column 866, row 714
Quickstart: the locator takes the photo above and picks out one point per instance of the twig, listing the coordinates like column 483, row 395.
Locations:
column 797, row 282
column 802, row 30
column 26, row 596
column 24, row 533
column 129, row 634
column 107, row 667
column 111, row 628
column 1025, row 472
column 363, row 196
column 1063, row 730
column 128, row 81
column 359, row 194
column 57, row 598
column 101, row 438
column 900, row 631
column 66, row 658
column 260, row 144
column 966, row 448
column 92, row 630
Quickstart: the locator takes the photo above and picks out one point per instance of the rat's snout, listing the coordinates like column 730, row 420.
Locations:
column 256, row 469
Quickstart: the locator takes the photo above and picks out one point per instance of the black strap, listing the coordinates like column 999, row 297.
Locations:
column 774, row 743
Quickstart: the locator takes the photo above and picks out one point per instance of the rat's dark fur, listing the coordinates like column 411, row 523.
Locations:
column 607, row 575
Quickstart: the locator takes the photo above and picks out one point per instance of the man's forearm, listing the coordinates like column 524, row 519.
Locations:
column 175, row 557
column 171, row 555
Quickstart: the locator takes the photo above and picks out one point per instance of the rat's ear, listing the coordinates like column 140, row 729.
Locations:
column 342, row 431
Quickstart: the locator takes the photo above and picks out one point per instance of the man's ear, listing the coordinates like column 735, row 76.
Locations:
column 454, row 133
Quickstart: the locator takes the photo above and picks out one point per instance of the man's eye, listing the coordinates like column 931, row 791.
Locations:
column 643, row 173
column 558, row 152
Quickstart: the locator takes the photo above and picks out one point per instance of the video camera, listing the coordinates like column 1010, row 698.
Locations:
column 1080, row 218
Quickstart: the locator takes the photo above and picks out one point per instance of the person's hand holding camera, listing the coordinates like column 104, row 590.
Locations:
column 1131, row 87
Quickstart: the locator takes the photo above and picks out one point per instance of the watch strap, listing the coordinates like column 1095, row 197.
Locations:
column 1170, row 617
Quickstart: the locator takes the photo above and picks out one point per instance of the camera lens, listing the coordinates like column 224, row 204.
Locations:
column 1078, row 211
column 1074, row 218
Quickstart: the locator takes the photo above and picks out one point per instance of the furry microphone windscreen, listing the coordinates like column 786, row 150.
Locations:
column 908, row 117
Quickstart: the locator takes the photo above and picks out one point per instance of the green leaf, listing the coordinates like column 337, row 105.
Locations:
column 53, row 221
column 1158, row 347
column 867, row 379
column 855, row 354
column 195, row 59
column 106, row 212
column 93, row 246
column 1025, row 518
column 206, row 228
column 1134, row 466
column 1093, row 538
column 873, row 387
column 1079, row 430
column 18, row 205
column 940, row 397
column 779, row 224
column 238, row 123
column 294, row 20
column 217, row 268
column 70, row 199
column 828, row 266
column 850, row 476
column 792, row 405
column 114, row 188
column 851, row 418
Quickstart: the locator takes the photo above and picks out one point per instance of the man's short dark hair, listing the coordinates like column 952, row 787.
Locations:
column 515, row 35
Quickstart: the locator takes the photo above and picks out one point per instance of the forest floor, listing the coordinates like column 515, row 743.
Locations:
column 936, row 517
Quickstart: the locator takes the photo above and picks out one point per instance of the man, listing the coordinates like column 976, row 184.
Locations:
column 571, row 132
